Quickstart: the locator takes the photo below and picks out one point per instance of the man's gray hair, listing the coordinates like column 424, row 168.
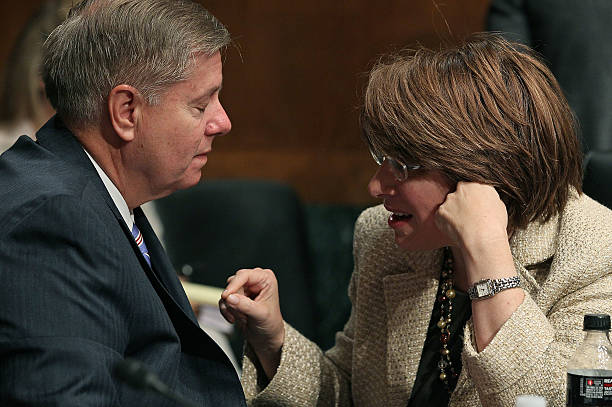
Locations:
column 148, row 44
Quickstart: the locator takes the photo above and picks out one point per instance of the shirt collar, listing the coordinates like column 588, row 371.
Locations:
column 116, row 196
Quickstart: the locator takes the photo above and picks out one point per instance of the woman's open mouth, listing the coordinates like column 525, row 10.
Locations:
column 398, row 217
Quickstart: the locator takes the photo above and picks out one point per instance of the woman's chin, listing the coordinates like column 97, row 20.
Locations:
column 413, row 243
column 405, row 242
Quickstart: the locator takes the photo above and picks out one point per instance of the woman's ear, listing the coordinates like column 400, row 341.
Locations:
column 124, row 105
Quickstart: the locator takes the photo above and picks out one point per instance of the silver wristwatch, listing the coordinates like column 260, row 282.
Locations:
column 488, row 288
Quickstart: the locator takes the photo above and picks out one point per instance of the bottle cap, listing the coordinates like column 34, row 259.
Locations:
column 530, row 401
column 598, row 322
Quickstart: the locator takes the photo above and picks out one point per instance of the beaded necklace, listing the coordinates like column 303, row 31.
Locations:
column 446, row 293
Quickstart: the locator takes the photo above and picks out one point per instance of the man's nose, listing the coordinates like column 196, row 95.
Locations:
column 220, row 125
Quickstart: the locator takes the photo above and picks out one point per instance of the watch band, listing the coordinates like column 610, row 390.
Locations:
column 488, row 288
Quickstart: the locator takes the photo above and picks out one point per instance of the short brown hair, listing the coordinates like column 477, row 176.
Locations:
column 148, row 44
column 486, row 111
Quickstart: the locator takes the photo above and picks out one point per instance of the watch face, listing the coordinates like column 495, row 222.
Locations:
column 483, row 289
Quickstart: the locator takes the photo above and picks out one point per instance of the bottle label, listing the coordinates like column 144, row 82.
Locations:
column 588, row 390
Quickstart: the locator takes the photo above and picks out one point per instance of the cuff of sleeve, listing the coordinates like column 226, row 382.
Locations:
column 297, row 376
column 516, row 347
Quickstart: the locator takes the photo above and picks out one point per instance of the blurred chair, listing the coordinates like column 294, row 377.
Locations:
column 330, row 233
column 597, row 181
column 220, row 226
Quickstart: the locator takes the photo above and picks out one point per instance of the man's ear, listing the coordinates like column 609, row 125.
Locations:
column 124, row 105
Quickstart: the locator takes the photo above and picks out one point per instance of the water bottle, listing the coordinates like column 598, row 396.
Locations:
column 589, row 371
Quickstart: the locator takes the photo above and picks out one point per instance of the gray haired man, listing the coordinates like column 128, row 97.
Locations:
column 85, row 282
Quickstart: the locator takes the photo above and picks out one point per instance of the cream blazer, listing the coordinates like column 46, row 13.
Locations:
column 565, row 267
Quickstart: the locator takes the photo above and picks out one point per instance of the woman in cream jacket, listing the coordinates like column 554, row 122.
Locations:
column 472, row 278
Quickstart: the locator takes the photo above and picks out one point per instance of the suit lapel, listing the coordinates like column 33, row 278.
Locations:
column 161, row 265
column 59, row 140
column 167, row 286
column 409, row 299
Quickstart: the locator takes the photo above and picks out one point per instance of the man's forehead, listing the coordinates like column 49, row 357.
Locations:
column 205, row 78
column 202, row 96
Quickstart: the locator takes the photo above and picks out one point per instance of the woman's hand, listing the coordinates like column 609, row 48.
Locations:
column 473, row 216
column 475, row 220
column 251, row 301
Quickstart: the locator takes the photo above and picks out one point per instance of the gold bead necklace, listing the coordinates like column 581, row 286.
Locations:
column 446, row 294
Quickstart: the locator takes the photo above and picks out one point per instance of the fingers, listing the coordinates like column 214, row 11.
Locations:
column 243, row 307
column 472, row 214
column 475, row 188
column 226, row 312
column 250, row 301
column 249, row 282
column 249, row 293
column 469, row 194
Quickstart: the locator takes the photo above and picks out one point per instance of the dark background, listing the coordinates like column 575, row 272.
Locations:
column 293, row 89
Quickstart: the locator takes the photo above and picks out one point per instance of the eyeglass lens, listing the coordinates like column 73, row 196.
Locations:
column 398, row 169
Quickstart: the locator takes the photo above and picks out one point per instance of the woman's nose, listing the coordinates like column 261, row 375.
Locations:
column 383, row 182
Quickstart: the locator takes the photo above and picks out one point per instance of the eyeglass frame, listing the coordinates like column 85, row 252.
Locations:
column 398, row 168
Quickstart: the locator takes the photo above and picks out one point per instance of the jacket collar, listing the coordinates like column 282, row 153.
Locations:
column 59, row 140
column 536, row 243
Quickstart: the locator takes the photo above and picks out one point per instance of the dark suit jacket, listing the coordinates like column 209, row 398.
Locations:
column 76, row 295
column 575, row 38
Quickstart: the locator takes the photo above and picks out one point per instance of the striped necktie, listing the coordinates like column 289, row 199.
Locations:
column 141, row 244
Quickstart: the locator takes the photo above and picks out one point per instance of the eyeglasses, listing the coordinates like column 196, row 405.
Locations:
column 398, row 168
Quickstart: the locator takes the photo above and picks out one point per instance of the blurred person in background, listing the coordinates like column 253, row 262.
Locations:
column 575, row 39
column 472, row 279
column 24, row 106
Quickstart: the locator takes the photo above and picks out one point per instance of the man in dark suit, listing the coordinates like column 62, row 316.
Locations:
column 84, row 282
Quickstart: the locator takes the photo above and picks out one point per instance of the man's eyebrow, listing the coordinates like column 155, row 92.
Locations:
column 208, row 93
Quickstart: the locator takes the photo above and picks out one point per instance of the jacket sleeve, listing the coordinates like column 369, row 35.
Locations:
column 530, row 352
column 61, row 327
column 306, row 376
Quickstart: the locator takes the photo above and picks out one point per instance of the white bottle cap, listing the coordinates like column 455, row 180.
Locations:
column 530, row 401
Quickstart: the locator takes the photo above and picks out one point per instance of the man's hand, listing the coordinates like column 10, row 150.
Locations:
column 251, row 301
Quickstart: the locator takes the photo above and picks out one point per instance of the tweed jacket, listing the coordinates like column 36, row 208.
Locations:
column 565, row 266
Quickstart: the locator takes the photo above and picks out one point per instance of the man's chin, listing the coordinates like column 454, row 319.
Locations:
column 185, row 183
column 190, row 181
